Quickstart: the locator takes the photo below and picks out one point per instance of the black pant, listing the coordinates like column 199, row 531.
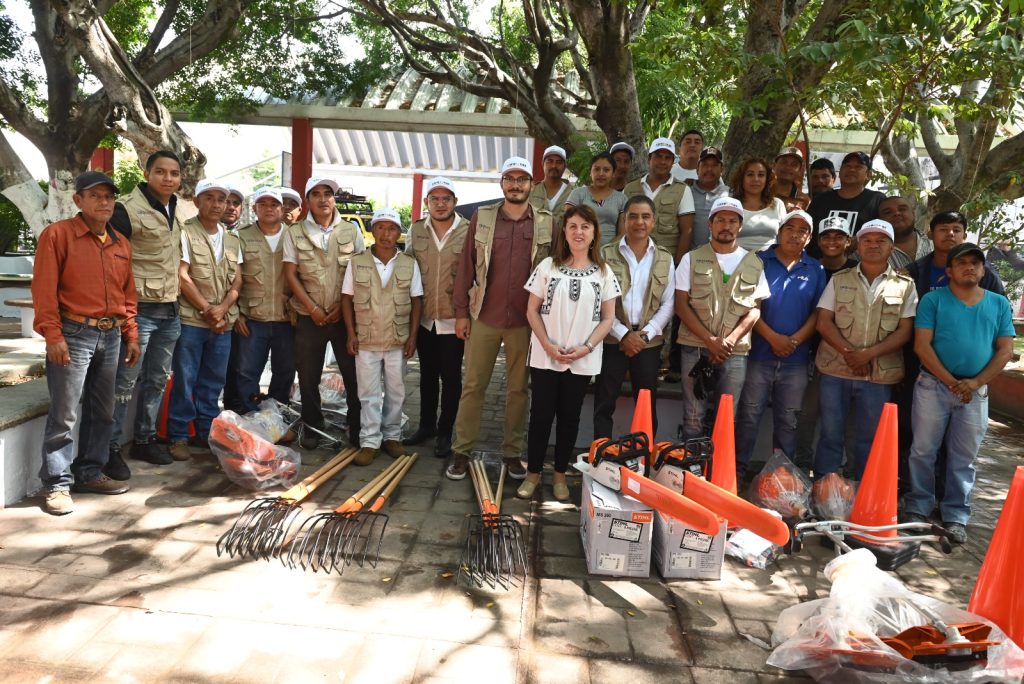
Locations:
column 233, row 400
column 554, row 395
column 674, row 356
column 310, row 346
column 440, row 371
column 643, row 374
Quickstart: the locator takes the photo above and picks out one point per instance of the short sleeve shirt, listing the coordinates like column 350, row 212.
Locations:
column 964, row 336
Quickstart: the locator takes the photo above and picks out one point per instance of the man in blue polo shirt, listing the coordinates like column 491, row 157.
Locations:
column 780, row 348
column 964, row 337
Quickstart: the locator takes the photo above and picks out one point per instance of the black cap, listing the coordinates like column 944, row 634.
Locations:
column 862, row 157
column 710, row 152
column 90, row 179
column 963, row 249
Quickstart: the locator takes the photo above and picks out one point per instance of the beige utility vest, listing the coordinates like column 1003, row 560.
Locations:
column 211, row 277
column 666, row 211
column 156, row 250
column 720, row 306
column 486, row 218
column 321, row 271
column 539, row 199
column 661, row 278
column 863, row 323
column 265, row 293
column 437, row 267
column 382, row 312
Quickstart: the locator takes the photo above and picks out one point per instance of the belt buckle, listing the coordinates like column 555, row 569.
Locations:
column 104, row 324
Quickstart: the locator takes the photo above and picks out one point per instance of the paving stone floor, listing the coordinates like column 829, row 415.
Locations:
column 130, row 589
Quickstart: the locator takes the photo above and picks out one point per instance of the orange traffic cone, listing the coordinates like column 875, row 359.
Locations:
column 999, row 593
column 723, row 438
column 875, row 503
column 642, row 419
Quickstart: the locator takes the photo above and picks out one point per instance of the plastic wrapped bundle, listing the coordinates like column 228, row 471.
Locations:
column 247, row 455
column 782, row 487
column 267, row 421
column 832, row 497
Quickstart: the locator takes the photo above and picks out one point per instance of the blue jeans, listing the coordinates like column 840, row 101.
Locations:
column 200, row 365
column 699, row 415
column 782, row 383
column 88, row 379
column 937, row 413
column 837, row 394
column 157, row 337
column 276, row 340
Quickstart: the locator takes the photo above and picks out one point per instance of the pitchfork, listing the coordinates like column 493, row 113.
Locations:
column 259, row 529
column 494, row 553
column 331, row 541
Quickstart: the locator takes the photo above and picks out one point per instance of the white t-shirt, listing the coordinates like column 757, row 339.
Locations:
column 385, row 271
column 761, row 228
column 571, row 309
column 681, row 174
column 274, row 240
column 685, row 203
column 728, row 264
column 319, row 237
column 217, row 240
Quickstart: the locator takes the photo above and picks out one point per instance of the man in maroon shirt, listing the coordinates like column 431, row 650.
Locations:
column 84, row 296
column 504, row 243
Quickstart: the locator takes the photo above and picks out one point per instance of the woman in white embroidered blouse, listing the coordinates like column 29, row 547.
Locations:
column 571, row 310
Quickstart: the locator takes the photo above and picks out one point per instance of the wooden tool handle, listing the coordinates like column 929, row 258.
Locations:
column 390, row 488
column 355, row 502
column 300, row 491
column 499, row 494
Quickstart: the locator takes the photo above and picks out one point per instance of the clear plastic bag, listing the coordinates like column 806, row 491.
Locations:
column 752, row 549
column 267, row 421
column 332, row 390
column 247, row 455
column 832, row 497
column 839, row 638
column 781, row 487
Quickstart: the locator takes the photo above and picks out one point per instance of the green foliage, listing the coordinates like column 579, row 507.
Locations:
column 127, row 175
column 264, row 174
column 130, row 20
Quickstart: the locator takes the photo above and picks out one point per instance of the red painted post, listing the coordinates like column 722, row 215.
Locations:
column 302, row 154
column 102, row 160
column 538, row 159
column 417, row 196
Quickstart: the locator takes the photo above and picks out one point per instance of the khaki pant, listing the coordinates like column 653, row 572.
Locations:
column 481, row 354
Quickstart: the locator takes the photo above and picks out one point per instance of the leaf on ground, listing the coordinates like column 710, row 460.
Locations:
column 446, row 574
column 386, row 579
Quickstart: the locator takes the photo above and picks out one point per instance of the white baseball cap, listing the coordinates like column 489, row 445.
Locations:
column 438, row 182
column 232, row 190
column 516, row 164
column 727, row 204
column 272, row 193
column 319, row 180
column 291, row 194
column 661, row 144
column 877, row 226
column 837, row 223
column 554, row 150
column 211, row 184
column 800, row 214
column 386, row 214
column 622, row 146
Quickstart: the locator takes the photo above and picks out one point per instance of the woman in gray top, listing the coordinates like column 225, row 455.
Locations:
column 599, row 195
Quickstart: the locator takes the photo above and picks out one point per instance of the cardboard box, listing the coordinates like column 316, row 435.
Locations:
column 616, row 532
column 682, row 553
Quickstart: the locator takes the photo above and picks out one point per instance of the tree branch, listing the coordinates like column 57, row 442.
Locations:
column 930, row 135
column 145, row 57
column 19, row 117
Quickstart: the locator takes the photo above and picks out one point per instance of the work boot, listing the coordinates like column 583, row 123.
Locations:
column 956, row 532
column 457, row 466
column 914, row 518
column 421, row 435
column 58, row 502
column 365, row 456
column 180, row 452
column 443, row 445
column 393, row 448
column 151, row 453
column 101, row 485
column 116, row 468
column 515, row 468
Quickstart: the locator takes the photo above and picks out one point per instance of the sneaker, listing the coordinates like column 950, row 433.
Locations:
column 116, row 468
column 180, row 452
column 914, row 518
column 515, row 468
column 393, row 448
column 101, row 485
column 457, row 466
column 58, row 502
column 956, row 532
column 151, row 453
column 365, row 456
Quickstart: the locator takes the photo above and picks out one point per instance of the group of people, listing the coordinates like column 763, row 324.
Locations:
column 807, row 302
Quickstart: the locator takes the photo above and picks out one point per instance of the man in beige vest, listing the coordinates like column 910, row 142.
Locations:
column 719, row 287
column 864, row 318
column 552, row 192
column 263, row 328
column 381, row 302
column 644, row 272
column 436, row 242
column 316, row 254
column 673, row 201
column 622, row 153
column 210, row 281
column 149, row 218
column 504, row 243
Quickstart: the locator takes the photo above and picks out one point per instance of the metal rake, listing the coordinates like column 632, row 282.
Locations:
column 494, row 554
